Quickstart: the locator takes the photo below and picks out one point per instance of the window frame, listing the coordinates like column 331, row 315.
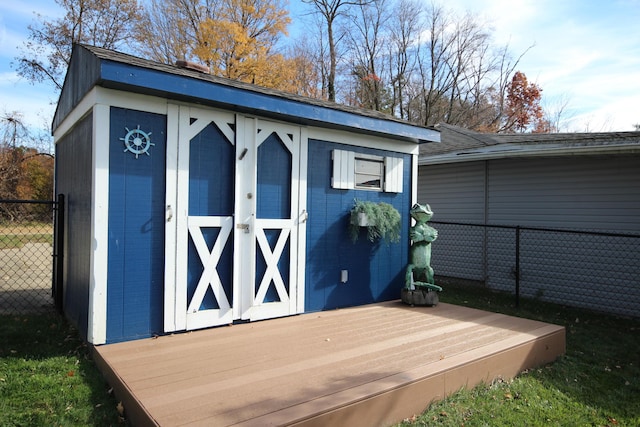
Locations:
column 379, row 160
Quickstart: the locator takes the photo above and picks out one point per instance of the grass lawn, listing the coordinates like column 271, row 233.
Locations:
column 16, row 241
column 15, row 236
column 48, row 379
column 597, row 382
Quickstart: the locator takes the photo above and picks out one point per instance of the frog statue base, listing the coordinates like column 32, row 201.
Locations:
column 422, row 297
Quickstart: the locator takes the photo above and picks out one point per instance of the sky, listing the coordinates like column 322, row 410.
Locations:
column 582, row 53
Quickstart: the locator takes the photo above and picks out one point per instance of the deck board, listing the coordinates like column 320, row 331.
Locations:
column 370, row 365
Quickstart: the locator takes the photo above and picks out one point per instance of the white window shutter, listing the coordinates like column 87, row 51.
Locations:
column 393, row 174
column 344, row 169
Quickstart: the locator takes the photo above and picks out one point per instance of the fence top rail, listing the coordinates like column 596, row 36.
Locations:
column 31, row 202
column 553, row 230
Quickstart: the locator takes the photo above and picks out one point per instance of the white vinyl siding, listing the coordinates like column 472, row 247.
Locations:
column 591, row 193
column 586, row 193
column 455, row 191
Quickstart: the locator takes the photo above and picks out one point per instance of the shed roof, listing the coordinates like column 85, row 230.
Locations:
column 462, row 145
column 93, row 66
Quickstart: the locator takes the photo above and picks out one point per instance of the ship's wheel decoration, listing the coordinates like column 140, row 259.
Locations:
column 137, row 141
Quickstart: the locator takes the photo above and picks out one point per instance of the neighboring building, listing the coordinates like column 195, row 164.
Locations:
column 578, row 181
column 195, row 201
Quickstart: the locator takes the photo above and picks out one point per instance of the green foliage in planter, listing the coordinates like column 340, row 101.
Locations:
column 384, row 221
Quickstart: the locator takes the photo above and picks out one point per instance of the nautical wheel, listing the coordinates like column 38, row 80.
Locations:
column 137, row 141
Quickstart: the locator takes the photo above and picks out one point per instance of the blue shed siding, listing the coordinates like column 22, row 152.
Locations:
column 376, row 270
column 211, row 174
column 273, row 179
column 135, row 283
column 73, row 179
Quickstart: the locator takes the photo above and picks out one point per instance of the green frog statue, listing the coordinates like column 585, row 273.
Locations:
column 419, row 286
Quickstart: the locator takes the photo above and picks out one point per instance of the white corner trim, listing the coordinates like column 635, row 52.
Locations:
column 302, row 221
column 171, row 219
column 414, row 179
column 97, row 323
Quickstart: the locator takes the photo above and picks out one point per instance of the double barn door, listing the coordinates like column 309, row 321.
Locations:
column 235, row 219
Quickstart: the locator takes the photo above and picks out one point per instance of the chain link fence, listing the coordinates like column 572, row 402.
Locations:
column 27, row 255
column 593, row 270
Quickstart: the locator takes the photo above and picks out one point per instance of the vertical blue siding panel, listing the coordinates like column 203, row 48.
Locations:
column 274, row 179
column 211, row 174
column 376, row 270
column 135, row 282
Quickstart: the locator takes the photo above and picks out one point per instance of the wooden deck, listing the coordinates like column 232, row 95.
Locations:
column 363, row 366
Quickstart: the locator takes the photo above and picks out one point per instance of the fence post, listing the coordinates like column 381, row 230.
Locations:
column 58, row 295
column 517, row 266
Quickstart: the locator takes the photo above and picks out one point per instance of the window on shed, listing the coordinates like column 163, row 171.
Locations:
column 367, row 172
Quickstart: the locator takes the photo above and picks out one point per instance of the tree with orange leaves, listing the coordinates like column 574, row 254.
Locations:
column 239, row 43
column 523, row 110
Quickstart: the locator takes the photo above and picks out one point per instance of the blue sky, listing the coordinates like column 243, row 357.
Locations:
column 585, row 52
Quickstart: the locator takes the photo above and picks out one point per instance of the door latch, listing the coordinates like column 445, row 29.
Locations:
column 169, row 213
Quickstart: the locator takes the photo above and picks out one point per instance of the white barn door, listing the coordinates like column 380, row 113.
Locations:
column 271, row 206
column 235, row 211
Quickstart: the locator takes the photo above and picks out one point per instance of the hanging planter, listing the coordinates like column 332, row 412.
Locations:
column 381, row 220
column 363, row 220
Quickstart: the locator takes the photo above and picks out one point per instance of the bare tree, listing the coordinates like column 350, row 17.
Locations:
column 556, row 113
column 309, row 64
column 506, row 66
column 331, row 11
column 434, row 56
column 366, row 45
column 404, row 27
column 47, row 52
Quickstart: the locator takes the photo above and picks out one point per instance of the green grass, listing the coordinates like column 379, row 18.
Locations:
column 597, row 382
column 47, row 377
column 16, row 241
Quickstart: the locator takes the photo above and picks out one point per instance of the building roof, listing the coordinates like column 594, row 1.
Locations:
column 458, row 144
column 93, row 66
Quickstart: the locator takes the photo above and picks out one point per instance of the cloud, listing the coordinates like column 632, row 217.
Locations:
column 36, row 105
column 586, row 51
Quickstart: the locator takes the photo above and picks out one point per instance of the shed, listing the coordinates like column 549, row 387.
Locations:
column 567, row 181
column 195, row 201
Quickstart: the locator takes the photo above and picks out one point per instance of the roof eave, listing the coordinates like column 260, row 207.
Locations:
column 527, row 151
column 149, row 81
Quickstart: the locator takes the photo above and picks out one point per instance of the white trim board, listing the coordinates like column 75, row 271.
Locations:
column 347, row 138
